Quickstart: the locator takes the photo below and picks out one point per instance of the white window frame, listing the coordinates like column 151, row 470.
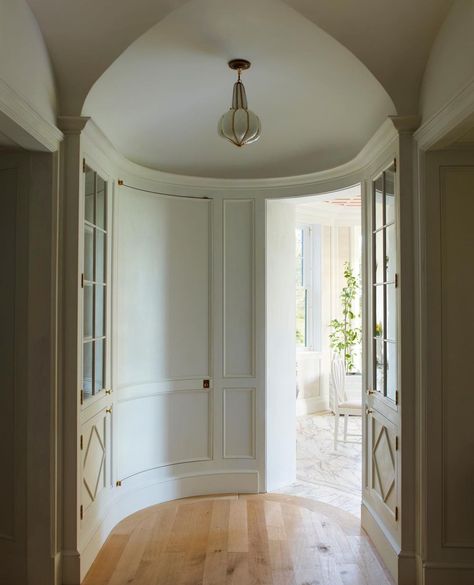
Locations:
column 312, row 284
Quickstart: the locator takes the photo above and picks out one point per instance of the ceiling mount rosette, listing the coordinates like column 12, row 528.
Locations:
column 239, row 125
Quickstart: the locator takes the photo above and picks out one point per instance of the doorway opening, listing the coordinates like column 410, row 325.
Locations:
column 327, row 290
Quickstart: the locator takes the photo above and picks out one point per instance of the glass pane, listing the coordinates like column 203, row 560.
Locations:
column 299, row 257
column 99, row 311
column 378, row 203
column 88, row 310
column 89, row 196
column 391, row 333
column 100, row 256
column 391, row 253
column 87, row 369
column 379, row 257
column 301, row 306
column 379, row 363
column 99, row 365
column 100, row 203
column 379, row 312
column 391, row 349
column 88, row 253
column 389, row 196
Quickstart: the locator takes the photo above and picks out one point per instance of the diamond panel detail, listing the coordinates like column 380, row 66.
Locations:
column 384, row 463
column 93, row 463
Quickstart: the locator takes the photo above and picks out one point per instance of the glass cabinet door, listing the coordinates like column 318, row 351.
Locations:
column 384, row 283
column 94, row 282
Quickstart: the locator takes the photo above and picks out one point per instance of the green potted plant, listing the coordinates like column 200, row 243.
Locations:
column 345, row 336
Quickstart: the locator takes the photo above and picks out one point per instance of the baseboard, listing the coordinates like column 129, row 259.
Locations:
column 70, row 567
column 310, row 405
column 448, row 574
column 134, row 498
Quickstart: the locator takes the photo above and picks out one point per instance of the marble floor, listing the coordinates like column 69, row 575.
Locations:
column 323, row 474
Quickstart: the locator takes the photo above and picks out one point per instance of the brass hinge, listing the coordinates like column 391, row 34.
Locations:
column 394, row 165
column 396, row 444
column 82, row 443
column 118, row 483
column 396, row 513
column 396, row 280
column 83, row 165
column 82, row 280
column 396, row 397
column 82, row 396
column 81, row 512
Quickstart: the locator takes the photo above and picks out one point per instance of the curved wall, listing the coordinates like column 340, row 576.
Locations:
column 450, row 67
column 189, row 305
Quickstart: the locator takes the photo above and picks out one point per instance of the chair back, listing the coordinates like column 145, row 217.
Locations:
column 338, row 376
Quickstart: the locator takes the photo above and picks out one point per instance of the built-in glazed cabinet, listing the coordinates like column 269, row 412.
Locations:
column 382, row 416
column 96, row 403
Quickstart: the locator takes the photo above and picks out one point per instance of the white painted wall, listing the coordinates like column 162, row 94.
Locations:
column 450, row 67
column 447, row 397
column 280, row 340
column 25, row 66
column 162, row 331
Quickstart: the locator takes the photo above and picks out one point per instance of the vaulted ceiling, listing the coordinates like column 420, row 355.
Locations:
column 325, row 74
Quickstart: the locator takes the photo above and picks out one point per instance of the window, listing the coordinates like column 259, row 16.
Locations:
column 308, row 268
column 94, row 283
column 384, row 283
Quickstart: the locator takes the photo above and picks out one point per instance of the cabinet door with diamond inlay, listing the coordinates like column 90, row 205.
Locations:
column 382, row 442
column 95, row 464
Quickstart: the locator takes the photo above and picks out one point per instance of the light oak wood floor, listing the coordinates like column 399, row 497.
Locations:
column 267, row 539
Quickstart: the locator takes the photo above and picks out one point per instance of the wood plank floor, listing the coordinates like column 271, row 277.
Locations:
column 267, row 539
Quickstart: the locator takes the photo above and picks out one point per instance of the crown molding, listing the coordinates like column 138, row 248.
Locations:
column 338, row 177
column 22, row 123
column 449, row 122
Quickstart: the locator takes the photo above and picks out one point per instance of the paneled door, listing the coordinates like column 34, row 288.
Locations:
column 381, row 489
column 162, row 325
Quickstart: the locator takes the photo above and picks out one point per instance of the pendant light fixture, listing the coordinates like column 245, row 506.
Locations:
column 239, row 125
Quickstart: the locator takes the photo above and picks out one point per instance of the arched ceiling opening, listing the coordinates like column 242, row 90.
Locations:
column 160, row 101
column 393, row 39
column 321, row 80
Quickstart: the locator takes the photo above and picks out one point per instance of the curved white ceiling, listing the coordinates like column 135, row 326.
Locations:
column 160, row 101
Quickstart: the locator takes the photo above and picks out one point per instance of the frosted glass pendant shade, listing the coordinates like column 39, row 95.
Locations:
column 239, row 125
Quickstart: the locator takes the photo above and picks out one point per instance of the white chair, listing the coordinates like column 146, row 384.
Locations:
column 341, row 404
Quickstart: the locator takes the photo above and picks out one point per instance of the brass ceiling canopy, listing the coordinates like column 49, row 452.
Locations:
column 239, row 64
